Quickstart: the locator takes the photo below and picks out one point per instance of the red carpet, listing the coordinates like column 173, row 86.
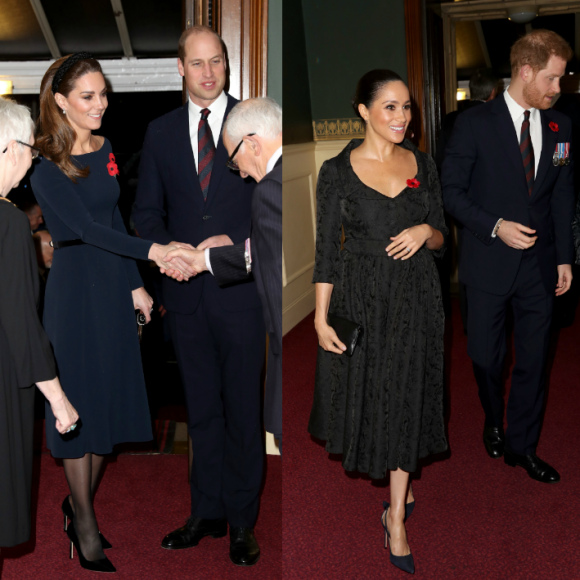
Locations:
column 142, row 498
column 475, row 518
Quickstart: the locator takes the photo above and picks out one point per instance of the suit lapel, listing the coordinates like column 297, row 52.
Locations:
column 184, row 144
column 220, row 159
column 548, row 147
column 508, row 139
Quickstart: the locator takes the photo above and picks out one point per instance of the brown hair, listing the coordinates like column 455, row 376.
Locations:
column 536, row 48
column 55, row 136
column 197, row 29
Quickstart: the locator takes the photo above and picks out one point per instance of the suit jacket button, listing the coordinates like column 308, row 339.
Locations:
column 206, row 217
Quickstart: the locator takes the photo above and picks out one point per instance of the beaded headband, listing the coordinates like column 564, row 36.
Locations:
column 66, row 66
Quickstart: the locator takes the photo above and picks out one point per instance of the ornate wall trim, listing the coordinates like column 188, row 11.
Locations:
column 331, row 129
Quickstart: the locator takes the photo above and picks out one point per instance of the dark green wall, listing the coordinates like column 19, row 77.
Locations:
column 344, row 40
column 295, row 87
column 327, row 46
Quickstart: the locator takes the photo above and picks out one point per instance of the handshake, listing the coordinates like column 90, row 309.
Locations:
column 184, row 261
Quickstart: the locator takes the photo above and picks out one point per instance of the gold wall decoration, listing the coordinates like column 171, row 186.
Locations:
column 329, row 129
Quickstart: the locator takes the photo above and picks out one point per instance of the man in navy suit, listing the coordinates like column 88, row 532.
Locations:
column 508, row 178
column 253, row 137
column 187, row 193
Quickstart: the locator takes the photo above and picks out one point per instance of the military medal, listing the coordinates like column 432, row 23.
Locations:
column 561, row 156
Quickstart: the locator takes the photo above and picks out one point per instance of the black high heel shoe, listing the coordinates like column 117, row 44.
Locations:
column 405, row 563
column 68, row 513
column 102, row 565
column 409, row 507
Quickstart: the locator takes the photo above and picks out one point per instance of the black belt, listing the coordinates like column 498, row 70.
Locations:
column 65, row 243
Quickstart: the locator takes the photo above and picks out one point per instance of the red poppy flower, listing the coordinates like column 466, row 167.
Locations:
column 112, row 166
column 412, row 183
column 554, row 127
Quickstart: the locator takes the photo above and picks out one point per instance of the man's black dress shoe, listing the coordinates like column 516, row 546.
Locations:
column 493, row 439
column 244, row 549
column 536, row 468
column 193, row 531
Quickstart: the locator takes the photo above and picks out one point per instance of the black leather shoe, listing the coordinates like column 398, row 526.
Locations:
column 244, row 549
column 193, row 531
column 536, row 468
column 494, row 441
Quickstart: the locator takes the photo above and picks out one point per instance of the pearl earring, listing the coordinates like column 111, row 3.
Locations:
column 63, row 112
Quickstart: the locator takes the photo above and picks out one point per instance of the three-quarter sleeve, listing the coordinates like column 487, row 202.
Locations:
column 135, row 280
column 436, row 217
column 58, row 191
column 28, row 344
column 328, row 227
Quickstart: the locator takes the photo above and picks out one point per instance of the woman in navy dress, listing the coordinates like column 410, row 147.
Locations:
column 93, row 290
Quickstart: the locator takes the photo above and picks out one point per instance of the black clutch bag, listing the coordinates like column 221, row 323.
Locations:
column 348, row 332
column 141, row 322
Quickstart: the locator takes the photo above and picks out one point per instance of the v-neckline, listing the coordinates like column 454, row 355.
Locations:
column 376, row 190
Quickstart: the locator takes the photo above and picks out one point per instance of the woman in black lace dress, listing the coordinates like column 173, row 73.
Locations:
column 382, row 408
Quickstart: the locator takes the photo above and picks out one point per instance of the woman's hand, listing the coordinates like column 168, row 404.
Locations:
column 143, row 302
column 409, row 241
column 327, row 338
column 65, row 414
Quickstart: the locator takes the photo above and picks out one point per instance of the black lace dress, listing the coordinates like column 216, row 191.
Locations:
column 382, row 408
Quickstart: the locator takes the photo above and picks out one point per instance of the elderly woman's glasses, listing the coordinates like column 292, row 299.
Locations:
column 35, row 150
column 230, row 163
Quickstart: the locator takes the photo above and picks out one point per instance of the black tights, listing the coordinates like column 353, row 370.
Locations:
column 82, row 475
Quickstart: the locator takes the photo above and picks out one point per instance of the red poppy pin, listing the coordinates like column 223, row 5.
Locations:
column 554, row 127
column 112, row 166
column 412, row 183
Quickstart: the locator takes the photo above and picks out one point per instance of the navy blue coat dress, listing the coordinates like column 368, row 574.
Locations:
column 88, row 312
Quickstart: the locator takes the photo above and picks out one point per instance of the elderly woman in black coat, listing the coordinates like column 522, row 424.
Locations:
column 25, row 353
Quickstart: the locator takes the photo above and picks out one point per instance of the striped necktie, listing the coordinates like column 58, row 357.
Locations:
column 527, row 151
column 206, row 152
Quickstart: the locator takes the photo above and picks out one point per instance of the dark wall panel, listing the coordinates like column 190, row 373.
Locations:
column 344, row 40
column 295, row 88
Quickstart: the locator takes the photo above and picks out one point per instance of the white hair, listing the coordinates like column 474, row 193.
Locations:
column 15, row 123
column 262, row 116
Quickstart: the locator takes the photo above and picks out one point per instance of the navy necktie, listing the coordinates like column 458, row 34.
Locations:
column 206, row 152
column 527, row 151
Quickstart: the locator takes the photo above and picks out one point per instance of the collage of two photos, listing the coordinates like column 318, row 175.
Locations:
column 288, row 289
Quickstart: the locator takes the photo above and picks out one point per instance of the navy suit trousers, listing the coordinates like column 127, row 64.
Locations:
column 486, row 345
column 221, row 356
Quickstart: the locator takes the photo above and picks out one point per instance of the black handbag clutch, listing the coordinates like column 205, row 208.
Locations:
column 348, row 332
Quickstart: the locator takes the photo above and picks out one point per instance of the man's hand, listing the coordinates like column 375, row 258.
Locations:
column 514, row 235
column 564, row 279
column 215, row 242
column 194, row 259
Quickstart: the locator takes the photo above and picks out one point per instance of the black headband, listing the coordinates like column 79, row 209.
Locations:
column 66, row 66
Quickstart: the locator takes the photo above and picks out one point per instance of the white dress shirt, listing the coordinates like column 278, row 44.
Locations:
column 273, row 160
column 269, row 166
column 517, row 115
column 215, row 119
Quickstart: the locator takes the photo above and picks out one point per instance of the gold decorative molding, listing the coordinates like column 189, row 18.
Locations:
column 328, row 129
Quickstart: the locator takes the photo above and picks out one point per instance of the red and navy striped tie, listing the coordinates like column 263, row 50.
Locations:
column 206, row 152
column 527, row 151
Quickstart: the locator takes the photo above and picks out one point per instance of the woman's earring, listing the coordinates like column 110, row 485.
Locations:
column 64, row 112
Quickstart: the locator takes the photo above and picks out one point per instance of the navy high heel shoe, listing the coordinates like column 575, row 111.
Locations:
column 102, row 565
column 405, row 563
column 409, row 507
column 68, row 513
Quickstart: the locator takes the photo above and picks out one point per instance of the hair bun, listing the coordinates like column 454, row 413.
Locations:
column 66, row 66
